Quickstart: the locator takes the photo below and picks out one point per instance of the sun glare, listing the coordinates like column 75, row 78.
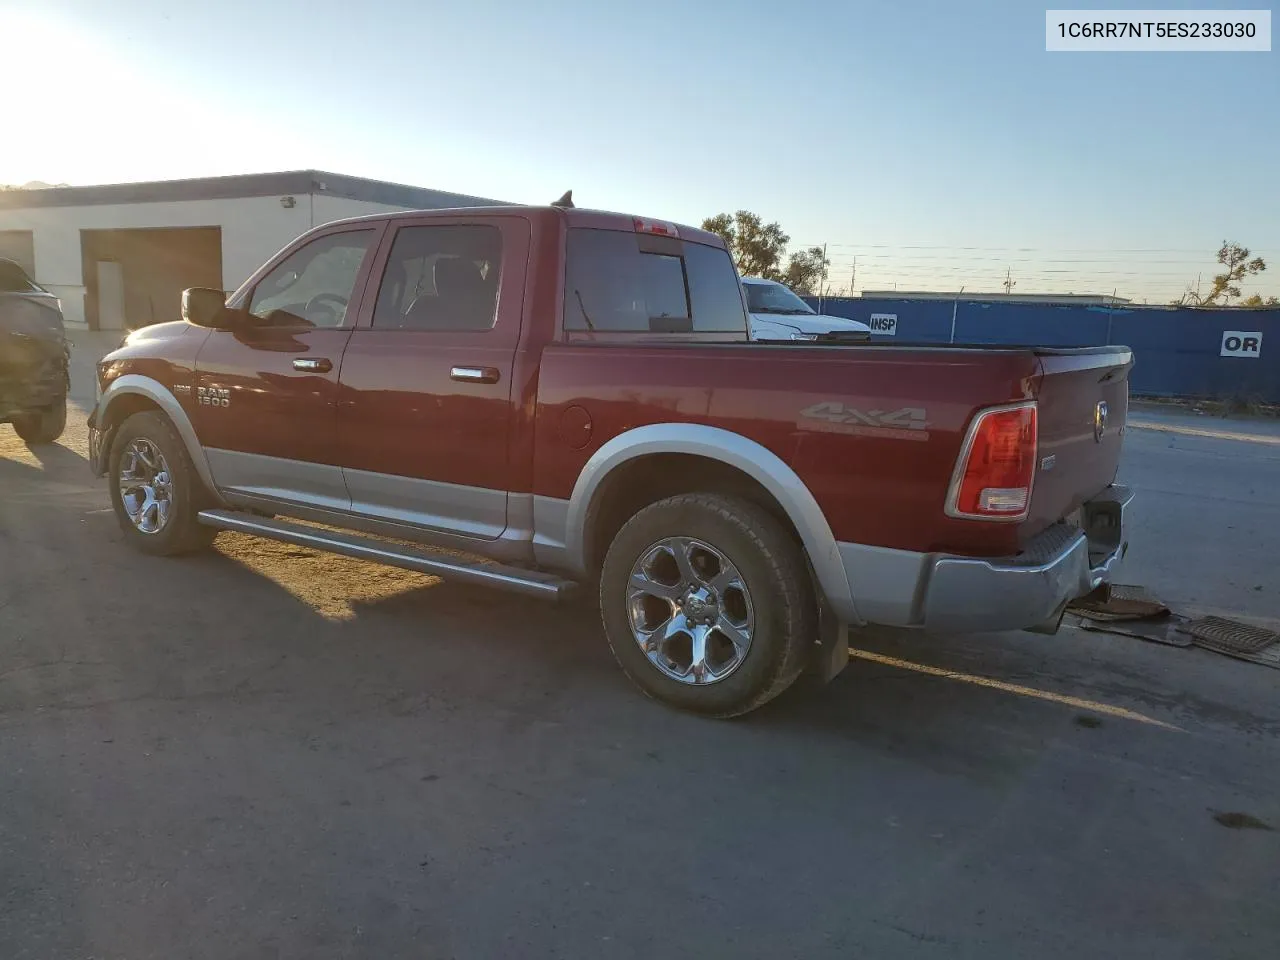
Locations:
column 74, row 99
column 99, row 117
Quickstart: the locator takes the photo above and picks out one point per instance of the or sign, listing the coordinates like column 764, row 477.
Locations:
column 1241, row 343
column 885, row 324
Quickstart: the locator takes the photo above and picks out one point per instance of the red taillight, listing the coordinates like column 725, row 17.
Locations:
column 659, row 227
column 997, row 465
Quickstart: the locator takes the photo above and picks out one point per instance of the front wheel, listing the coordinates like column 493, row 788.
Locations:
column 44, row 425
column 155, row 489
column 707, row 604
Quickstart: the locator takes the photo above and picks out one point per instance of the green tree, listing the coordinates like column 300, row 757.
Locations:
column 758, row 249
column 1257, row 301
column 806, row 270
column 1226, row 284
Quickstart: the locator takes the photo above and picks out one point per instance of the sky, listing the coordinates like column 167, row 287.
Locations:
column 938, row 143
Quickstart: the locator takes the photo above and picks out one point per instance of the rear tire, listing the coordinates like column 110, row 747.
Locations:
column 155, row 490
column 743, row 587
column 42, row 426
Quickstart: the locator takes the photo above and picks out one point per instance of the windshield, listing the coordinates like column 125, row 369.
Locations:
column 773, row 298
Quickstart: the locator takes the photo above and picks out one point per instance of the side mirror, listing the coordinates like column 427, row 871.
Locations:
column 206, row 308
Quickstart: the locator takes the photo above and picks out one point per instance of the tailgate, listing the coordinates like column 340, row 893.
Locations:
column 1083, row 400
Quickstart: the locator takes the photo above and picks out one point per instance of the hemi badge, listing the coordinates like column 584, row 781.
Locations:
column 1048, row 462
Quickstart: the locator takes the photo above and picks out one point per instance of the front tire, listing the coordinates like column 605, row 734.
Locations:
column 42, row 426
column 707, row 604
column 155, row 490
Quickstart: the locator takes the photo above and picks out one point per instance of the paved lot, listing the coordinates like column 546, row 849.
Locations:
column 265, row 752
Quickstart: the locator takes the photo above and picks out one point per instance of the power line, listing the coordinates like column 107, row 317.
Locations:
column 947, row 246
column 914, row 257
column 993, row 269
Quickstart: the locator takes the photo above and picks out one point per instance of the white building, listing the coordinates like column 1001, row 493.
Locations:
column 121, row 254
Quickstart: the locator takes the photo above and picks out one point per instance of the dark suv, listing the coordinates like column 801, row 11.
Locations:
column 33, row 358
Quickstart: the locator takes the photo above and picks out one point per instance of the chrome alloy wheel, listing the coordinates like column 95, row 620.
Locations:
column 690, row 610
column 146, row 487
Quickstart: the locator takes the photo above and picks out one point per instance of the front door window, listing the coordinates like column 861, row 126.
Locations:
column 313, row 286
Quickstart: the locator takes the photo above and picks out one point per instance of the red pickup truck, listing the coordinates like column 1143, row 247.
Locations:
column 538, row 397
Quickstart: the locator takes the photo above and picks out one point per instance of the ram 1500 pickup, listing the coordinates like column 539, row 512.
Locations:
column 540, row 397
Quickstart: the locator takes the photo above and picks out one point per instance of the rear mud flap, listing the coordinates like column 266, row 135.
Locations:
column 830, row 652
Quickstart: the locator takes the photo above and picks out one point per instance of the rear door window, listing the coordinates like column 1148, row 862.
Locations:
column 442, row 278
column 618, row 282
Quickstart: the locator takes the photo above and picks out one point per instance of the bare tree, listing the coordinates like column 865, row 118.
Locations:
column 1226, row 285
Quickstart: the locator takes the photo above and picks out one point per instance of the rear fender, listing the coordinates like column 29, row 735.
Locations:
column 756, row 461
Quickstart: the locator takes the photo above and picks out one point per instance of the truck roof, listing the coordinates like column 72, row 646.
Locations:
column 573, row 217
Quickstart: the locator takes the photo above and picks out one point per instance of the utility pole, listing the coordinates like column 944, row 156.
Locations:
column 822, row 284
column 1009, row 282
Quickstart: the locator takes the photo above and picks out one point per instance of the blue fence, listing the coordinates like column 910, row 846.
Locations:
column 1177, row 350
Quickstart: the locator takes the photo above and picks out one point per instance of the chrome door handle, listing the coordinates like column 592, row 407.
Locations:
column 313, row 364
column 475, row 374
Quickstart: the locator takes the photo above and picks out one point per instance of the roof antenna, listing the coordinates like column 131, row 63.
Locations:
column 566, row 201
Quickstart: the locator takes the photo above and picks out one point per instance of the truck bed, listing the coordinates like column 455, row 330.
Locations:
column 874, row 430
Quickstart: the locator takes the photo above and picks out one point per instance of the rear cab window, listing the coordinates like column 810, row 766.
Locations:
column 628, row 282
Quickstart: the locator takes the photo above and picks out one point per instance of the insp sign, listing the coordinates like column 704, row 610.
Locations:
column 885, row 324
column 1241, row 343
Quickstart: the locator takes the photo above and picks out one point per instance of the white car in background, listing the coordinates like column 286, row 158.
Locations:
column 778, row 314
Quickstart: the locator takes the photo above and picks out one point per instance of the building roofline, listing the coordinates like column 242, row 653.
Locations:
column 240, row 186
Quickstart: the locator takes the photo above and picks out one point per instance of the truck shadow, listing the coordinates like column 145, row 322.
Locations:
column 564, row 666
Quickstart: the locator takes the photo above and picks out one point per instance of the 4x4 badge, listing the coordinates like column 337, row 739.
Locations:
column 905, row 423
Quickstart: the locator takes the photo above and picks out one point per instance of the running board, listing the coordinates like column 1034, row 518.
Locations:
column 528, row 582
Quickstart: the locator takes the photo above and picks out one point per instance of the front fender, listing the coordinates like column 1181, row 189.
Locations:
column 753, row 459
column 133, row 384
